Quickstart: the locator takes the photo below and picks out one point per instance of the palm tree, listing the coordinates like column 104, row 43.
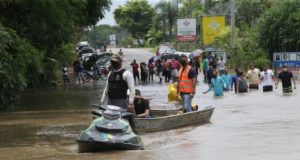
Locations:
column 165, row 18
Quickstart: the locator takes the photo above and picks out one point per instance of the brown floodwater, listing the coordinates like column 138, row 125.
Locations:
column 250, row 126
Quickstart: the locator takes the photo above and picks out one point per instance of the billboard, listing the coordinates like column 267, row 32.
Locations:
column 212, row 25
column 186, row 29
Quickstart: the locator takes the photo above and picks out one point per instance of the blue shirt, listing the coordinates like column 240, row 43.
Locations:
column 217, row 84
column 205, row 65
column 227, row 80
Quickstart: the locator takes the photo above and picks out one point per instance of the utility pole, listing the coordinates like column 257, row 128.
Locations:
column 232, row 21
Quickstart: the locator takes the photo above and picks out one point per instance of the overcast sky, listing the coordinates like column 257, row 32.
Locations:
column 109, row 16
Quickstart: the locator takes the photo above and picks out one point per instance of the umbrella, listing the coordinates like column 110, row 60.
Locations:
column 151, row 60
column 197, row 52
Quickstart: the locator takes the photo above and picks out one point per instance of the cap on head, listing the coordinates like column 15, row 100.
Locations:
column 284, row 66
column 116, row 57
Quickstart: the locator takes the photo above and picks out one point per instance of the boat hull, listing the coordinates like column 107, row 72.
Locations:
column 143, row 125
column 84, row 146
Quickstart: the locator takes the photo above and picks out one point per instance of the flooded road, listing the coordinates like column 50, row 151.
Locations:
column 256, row 126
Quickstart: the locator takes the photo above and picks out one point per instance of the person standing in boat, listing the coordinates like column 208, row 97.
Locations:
column 286, row 77
column 187, row 81
column 118, row 82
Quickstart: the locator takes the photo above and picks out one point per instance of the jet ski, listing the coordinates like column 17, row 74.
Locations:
column 109, row 132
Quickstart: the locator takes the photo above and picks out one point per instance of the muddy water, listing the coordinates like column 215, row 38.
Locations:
column 250, row 126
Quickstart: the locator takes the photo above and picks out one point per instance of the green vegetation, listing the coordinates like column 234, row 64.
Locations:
column 37, row 37
column 258, row 33
column 98, row 36
column 164, row 20
column 20, row 65
column 279, row 27
column 136, row 17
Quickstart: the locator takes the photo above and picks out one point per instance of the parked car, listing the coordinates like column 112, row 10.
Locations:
column 104, row 59
column 86, row 56
column 85, row 50
column 165, row 49
column 81, row 45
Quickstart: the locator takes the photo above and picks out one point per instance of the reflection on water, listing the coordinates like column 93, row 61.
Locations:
column 52, row 99
column 250, row 126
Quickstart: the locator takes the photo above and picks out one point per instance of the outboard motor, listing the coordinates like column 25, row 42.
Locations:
column 109, row 132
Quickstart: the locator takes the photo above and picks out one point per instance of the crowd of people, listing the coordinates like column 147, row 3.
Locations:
column 243, row 83
column 166, row 70
column 183, row 71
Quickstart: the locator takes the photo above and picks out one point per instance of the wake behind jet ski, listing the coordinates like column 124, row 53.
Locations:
column 109, row 132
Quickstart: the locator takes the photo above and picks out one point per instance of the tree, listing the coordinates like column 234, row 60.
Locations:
column 279, row 27
column 191, row 8
column 154, row 36
column 36, row 37
column 135, row 16
column 98, row 36
column 20, row 65
column 165, row 18
column 249, row 11
column 244, row 50
column 217, row 7
column 48, row 25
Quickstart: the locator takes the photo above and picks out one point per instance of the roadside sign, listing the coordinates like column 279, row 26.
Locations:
column 186, row 29
column 290, row 59
column 211, row 26
column 290, row 64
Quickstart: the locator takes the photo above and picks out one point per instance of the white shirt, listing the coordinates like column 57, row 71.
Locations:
column 128, row 77
column 221, row 65
column 267, row 77
column 66, row 71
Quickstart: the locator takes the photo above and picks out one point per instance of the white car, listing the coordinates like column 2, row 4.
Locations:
column 81, row 45
column 86, row 55
column 164, row 49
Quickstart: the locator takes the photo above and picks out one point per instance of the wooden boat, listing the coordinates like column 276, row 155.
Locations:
column 172, row 121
